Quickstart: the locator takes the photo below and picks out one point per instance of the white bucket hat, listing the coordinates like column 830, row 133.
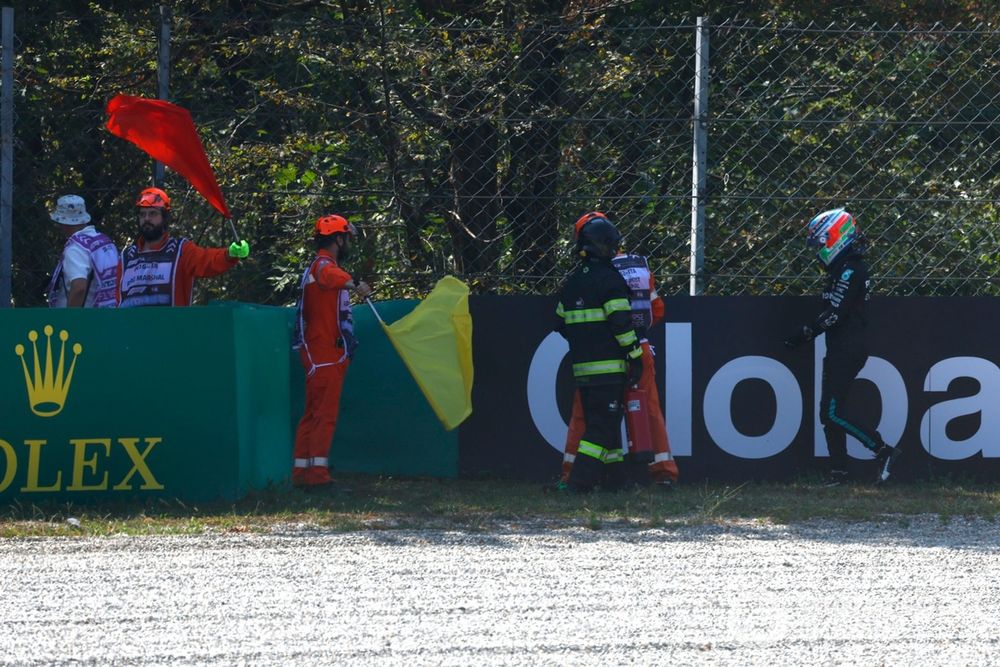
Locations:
column 70, row 210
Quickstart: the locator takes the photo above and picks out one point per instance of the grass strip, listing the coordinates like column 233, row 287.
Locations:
column 391, row 503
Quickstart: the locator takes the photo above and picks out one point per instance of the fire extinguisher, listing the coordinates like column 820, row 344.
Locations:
column 640, row 441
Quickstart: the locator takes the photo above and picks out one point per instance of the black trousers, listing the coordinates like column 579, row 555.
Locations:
column 599, row 458
column 839, row 372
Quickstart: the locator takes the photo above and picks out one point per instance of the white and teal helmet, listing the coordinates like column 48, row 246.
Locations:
column 832, row 233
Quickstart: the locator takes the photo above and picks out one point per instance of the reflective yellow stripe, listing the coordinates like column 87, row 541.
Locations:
column 585, row 315
column 635, row 353
column 598, row 367
column 627, row 339
column 559, row 310
column 588, row 448
column 615, row 305
column 603, row 455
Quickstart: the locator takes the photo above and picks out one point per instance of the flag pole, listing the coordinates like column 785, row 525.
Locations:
column 372, row 306
column 233, row 227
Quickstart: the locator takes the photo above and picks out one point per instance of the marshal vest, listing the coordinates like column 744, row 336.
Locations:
column 345, row 339
column 148, row 277
column 635, row 271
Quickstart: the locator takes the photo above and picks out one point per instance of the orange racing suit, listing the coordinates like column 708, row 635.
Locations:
column 325, row 340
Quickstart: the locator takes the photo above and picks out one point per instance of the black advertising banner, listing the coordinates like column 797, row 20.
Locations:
column 739, row 405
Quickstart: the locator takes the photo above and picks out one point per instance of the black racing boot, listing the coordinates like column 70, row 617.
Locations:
column 836, row 473
column 886, row 458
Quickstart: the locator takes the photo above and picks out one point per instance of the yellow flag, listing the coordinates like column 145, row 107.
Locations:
column 435, row 342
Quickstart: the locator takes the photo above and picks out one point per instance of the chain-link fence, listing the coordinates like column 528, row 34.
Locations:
column 470, row 145
column 898, row 125
column 66, row 68
column 6, row 150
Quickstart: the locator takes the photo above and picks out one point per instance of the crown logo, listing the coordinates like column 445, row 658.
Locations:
column 48, row 387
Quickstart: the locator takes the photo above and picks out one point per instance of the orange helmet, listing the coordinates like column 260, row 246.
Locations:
column 584, row 219
column 153, row 198
column 334, row 224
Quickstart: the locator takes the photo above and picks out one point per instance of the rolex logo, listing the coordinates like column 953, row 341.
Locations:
column 48, row 386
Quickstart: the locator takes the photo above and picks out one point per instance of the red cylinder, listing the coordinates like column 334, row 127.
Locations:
column 640, row 440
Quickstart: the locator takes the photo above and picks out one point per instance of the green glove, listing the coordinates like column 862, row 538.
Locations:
column 239, row 250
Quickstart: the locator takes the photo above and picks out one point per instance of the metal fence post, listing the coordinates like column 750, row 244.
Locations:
column 162, row 77
column 6, row 154
column 699, row 173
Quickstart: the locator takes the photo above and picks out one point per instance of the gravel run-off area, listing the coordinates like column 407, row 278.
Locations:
column 899, row 592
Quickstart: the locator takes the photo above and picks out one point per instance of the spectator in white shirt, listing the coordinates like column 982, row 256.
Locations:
column 87, row 273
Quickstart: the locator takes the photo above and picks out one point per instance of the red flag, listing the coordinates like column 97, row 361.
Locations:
column 166, row 132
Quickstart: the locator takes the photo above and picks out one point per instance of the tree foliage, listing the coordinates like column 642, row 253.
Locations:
column 465, row 137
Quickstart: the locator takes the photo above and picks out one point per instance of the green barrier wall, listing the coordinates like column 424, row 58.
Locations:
column 189, row 402
column 386, row 425
column 194, row 403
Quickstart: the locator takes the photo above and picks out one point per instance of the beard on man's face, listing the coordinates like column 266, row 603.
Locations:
column 151, row 231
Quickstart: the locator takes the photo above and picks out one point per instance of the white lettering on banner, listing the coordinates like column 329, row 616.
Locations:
column 933, row 425
column 719, row 418
column 892, row 391
column 678, row 401
column 542, row 390
column 544, row 407
column 677, row 385
column 678, row 381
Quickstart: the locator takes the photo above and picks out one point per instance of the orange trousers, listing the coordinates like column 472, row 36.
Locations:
column 663, row 468
column 314, row 434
